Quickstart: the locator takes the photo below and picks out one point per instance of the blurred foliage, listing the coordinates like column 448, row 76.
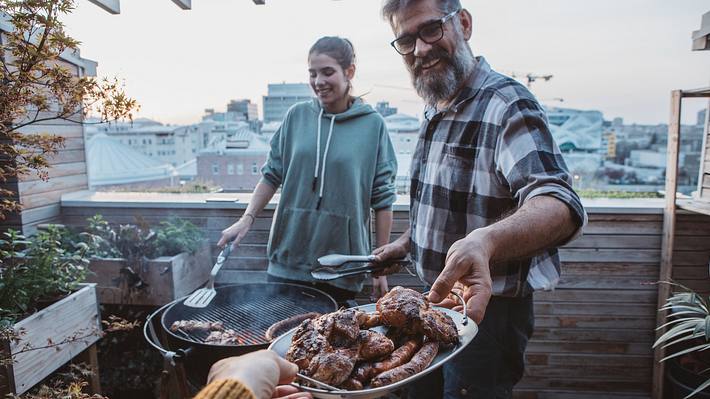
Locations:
column 38, row 85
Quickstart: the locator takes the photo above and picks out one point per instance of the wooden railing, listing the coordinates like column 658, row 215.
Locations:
column 593, row 334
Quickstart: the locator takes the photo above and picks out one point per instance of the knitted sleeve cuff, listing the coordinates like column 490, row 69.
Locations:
column 225, row 389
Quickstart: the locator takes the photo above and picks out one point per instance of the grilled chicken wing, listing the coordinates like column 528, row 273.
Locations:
column 374, row 345
column 409, row 310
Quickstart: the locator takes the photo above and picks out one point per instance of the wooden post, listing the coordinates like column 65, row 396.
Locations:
column 668, row 234
column 7, row 375
column 90, row 357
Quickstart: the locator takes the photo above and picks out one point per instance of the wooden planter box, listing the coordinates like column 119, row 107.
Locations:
column 166, row 278
column 74, row 320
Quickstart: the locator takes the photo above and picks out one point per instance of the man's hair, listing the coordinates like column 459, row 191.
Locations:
column 390, row 8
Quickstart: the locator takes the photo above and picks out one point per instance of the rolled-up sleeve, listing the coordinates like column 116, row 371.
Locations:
column 273, row 170
column 383, row 186
column 530, row 162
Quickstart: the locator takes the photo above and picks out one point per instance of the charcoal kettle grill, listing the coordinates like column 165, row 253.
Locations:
column 248, row 309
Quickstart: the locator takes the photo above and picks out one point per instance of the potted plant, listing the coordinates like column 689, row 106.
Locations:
column 136, row 265
column 47, row 316
column 688, row 337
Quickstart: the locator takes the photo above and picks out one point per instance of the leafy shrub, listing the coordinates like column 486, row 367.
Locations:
column 39, row 268
column 133, row 241
column 177, row 235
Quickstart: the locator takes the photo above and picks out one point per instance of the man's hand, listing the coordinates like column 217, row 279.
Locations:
column 260, row 371
column 467, row 263
column 387, row 253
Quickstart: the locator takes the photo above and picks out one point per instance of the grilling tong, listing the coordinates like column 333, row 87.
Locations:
column 330, row 266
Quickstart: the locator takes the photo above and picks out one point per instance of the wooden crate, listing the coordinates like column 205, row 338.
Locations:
column 51, row 337
column 166, row 278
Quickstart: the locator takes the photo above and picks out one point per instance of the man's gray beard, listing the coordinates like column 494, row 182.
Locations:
column 436, row 87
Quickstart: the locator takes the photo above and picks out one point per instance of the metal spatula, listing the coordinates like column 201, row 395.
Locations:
column 202, row 297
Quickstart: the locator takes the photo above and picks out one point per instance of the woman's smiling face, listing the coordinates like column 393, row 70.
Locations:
column 330, row 82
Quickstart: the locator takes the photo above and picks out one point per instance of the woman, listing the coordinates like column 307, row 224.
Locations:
column 334, row 161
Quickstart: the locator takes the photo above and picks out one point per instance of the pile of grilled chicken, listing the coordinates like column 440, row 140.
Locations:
column 339, row 349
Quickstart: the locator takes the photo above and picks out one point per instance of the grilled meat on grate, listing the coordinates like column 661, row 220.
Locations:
column 196, row 326
column 226, row 337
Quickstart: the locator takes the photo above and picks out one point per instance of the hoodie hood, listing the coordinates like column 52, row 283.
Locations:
column 356, row 110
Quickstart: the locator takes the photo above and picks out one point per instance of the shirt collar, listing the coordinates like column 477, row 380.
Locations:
column 478, row 77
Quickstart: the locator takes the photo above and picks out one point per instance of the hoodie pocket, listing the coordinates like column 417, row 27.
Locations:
column 303, row 235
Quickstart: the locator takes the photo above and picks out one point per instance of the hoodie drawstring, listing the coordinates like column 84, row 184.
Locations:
column 325, row 157
column 315, row 173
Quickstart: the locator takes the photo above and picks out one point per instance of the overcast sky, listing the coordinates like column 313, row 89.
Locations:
column 619, row 56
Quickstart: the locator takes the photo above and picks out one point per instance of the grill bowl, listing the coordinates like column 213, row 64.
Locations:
column 249, row 309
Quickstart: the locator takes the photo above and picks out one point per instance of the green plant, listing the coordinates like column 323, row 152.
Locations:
column 137, row 241
column 102, row 238
column 688, row 332
column 36, row 269
column 177, row 235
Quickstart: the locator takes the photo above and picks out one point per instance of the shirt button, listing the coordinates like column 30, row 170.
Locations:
column 464, row 391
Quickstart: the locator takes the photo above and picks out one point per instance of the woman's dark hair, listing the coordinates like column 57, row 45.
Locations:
column 338, row 48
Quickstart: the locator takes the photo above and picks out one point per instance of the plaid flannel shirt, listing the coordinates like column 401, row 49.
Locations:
column 477, row 162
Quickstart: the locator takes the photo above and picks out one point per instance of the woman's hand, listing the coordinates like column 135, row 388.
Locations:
column 261, row 371
column 379, row 288
column 236, row 232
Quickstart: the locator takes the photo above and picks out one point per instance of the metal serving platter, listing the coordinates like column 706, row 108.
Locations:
column 467, row 331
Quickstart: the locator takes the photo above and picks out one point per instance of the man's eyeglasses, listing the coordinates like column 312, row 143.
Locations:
column 429, row 33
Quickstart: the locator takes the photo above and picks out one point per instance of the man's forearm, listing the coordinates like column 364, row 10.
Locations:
column 404, row 239
column 542, row 222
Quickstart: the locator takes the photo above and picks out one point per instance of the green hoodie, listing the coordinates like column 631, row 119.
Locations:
column 327, row 210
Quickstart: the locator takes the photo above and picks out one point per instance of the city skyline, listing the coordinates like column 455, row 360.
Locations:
column 622, row 59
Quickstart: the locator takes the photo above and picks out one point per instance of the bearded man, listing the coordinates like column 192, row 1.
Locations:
column 491, row 197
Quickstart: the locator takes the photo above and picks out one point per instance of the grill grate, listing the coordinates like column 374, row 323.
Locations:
column 250, row 320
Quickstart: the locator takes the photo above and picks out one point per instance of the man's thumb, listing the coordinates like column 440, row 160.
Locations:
column 443, row 285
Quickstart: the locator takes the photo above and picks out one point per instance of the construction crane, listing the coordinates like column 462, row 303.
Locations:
column 530, row 77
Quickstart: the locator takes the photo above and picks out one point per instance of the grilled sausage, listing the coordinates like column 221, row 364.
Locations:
column 284, row 325
column 419, row 362
column 400, row 356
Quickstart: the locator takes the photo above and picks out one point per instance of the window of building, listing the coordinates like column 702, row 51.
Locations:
column 230, row 169
column 240, row 168
column 215, row 169
column 254, row 169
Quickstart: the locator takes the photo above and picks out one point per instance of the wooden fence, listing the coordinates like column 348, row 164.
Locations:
column 593, row 334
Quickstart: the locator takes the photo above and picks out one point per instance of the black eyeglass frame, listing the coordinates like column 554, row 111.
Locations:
column 418, row 35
